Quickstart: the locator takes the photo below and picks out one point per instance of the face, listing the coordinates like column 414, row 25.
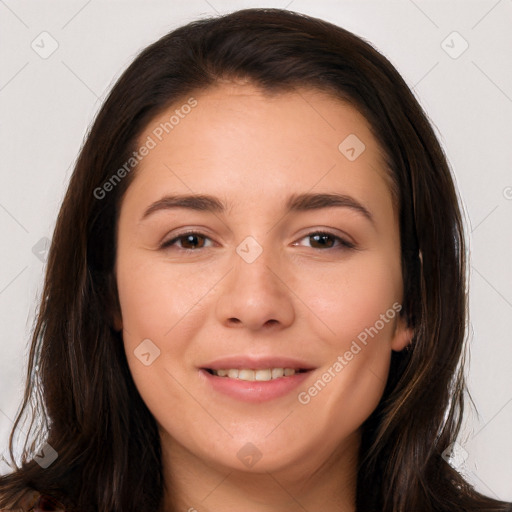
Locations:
column 288, row 270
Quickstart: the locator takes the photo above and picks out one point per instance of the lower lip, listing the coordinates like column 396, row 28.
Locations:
column 254, row 391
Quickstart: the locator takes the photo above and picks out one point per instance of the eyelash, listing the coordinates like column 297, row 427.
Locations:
column 342, row 243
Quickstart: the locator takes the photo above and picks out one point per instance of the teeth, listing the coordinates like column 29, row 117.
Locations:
column 246, row 374
column 263, row 374
column 277, row 372
column 255, row 375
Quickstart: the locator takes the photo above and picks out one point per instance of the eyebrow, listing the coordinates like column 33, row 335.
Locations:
column 306, row 202
column 198, row 202
column 295, row 203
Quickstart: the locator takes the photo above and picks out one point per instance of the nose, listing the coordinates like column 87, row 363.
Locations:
column 255, row 296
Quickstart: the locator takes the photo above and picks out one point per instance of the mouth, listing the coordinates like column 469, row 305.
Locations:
column 252, row 375
column 254, row 379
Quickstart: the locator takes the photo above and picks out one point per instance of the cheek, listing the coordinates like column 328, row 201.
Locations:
column 355, row 297
column 152, row 304
column 155, row 297
column 166, row 305
column 350, row 384
column 359, row 304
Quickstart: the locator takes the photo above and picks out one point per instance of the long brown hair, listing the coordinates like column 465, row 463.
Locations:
column 80, row 397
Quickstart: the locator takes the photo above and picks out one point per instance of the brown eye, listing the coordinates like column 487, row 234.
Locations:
column 323, row 240
column 192, row 241
column 187, row 241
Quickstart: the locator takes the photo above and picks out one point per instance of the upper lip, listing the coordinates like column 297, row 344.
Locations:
column 257, row 363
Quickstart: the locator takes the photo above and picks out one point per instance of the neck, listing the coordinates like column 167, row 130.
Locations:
column 196, row 485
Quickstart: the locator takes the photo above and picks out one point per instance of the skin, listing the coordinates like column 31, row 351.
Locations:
column 298, row 298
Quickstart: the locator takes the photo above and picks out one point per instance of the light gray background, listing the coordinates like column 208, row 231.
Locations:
column 47, row 104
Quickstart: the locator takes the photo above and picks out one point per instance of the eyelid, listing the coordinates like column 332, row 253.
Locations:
column 343, row 242
column 175, row 237
column 343, row 237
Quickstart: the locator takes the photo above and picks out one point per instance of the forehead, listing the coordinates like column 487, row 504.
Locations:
column 240, row 139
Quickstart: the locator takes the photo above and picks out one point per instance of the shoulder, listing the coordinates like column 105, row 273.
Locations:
column 46, row 503
column 33, row 501
column 19, row 501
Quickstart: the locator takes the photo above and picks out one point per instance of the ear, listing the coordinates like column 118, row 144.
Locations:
column 402, row 336
column 112, row 304
column 117, row 321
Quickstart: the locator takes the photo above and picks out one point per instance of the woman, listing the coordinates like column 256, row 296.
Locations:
column 255, row 294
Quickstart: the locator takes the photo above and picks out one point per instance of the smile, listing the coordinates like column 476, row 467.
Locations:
column 255, row 375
